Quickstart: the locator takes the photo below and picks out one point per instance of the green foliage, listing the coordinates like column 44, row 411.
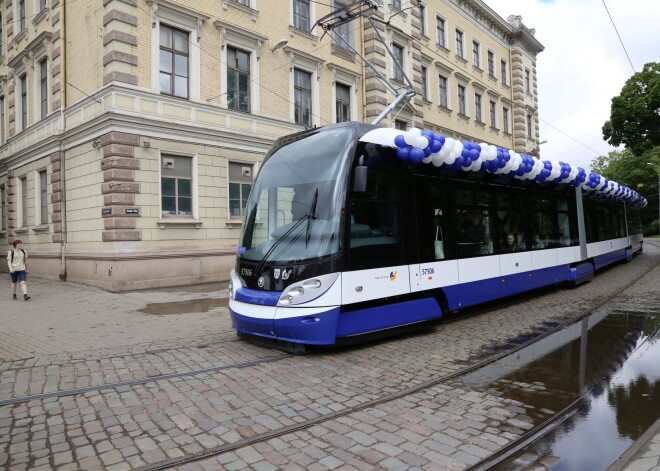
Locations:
column 631, row 170
column 635, row 113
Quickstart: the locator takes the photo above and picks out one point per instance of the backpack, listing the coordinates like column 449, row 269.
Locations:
column 12, row 255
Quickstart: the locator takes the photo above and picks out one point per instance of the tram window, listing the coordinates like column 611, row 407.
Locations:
column 474, row 232
column 375, row 235
column 541, row 222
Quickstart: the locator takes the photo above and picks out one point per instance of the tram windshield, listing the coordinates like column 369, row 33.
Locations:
column 295, row 207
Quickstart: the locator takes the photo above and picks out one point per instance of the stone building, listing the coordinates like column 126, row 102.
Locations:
column 131, row 130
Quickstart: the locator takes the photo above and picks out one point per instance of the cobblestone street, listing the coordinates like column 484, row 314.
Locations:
column 193, row 387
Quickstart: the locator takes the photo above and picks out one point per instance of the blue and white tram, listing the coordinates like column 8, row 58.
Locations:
column 352, row 229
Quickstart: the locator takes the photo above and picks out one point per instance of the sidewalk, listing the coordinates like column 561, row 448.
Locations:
column 643, row 455
column 70, row 318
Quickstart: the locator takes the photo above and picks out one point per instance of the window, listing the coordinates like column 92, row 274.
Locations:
column 343, row 31
column 459, row 43
column 43, row 4
column 397, row 66
column 238, row 79
column 440, row 31
column 3, row 209
column 504, row 71
column 491, row 63
column 43, row 197
column 240, row 185
column 443, row 91
column 505, row 119
column 461, row 99
column 303, row 97
column 477, row 107
column 424, row 74
column 530, row 134
column 244, row 2
column 527, row 84
column 24, row 106
column 396, row 4
column 400, row 125
column 176, row 186
column 21, row 14
column 2, row 42
column 493, row 121
column 174, row 63
column 2, row 119
column 476, row 54
column 43, row 88
column 301, row 14
column 422, row 19
column 24, row 210
column 343, row 103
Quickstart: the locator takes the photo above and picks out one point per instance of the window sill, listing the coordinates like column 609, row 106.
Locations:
column 20, row 35
column 294, row 30
column 477, row 69
column 3, row 233
column 41, row 228
column 21, row 230
column 494, row 128
column 443, row 48
column 43, row 14
column 340, row 51
column 234, row 4
column 480, row 123
column 176, row 222
column 492, row 77
column 234, row 222
column 445, row 109
column 464, row 116
column 461, row 58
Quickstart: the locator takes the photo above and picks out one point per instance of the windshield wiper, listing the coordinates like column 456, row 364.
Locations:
column 278, row 242
column 312, row 215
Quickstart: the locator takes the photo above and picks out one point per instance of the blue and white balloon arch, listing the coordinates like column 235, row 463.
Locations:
column 435, row 149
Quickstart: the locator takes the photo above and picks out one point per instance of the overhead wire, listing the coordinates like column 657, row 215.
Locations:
column 619, row 36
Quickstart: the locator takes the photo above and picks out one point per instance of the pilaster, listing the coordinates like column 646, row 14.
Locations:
column 120, row 41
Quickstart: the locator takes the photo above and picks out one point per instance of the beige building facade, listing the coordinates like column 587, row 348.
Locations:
column 131, row 130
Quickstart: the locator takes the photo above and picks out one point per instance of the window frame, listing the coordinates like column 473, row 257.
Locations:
column 3, row 116
column 528, row 86
column 504, row 69
column 242, row 198
column 343, row 103
column 175, row 53
column 238, row 72
column 505, row 119
column 491, row 64
column 530, row 134
column 422, row 18
column 493, row 113
column 3, row 209
column 477, row 107
column 462, row 105
column 295, row 17
column 41, row 197
column 441, row 32
column 23, row 208
column 194, row 217
column 460, row 36
column 43, row 87
column 476, row 54
column 21, row 13
column 24, row 102
column 397, row 73
column 425, row 82
column 299, row 91
column 442, row 78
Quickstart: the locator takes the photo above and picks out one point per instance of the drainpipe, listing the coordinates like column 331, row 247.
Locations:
column 62, row 151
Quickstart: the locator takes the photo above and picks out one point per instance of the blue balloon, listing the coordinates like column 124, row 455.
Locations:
column 436, row 146
column 441, row 138
column 416, row 154
column 474, row 154
column 428, row 151
column 400, row 141
column 465, row 153
column 428, row 134
column 403, row 153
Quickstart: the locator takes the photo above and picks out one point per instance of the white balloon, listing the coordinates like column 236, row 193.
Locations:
column 422, row 142
column 492, row 152
column 476, row 165
column 428, row 159
column 437, row 159
column 450, row 159
column 410, row 138
column 415, row 131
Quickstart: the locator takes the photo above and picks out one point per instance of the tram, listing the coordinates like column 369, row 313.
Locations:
column 352, row 229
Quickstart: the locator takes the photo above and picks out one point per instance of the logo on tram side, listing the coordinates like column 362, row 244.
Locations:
column 393, row 275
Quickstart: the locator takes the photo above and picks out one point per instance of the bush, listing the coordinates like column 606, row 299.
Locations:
column 651, row 228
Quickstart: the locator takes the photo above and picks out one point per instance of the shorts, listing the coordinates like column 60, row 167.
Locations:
column 18, row 276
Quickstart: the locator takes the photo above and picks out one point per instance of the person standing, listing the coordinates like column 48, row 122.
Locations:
column 17, row 263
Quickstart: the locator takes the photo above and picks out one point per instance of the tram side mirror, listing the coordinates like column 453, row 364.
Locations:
column 360, row 177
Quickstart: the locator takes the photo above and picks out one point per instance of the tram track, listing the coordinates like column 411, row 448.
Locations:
column 524, row 439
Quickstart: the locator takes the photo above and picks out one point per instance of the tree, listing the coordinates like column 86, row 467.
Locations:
column 635, row 113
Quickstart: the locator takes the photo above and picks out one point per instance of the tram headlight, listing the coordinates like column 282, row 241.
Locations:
column 307, row 290
column 235, row 283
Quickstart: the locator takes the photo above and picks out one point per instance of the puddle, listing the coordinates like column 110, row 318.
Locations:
column 185, row 307
column 612, row 359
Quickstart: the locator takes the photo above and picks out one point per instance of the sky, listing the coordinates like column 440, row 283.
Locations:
column 584, row 66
